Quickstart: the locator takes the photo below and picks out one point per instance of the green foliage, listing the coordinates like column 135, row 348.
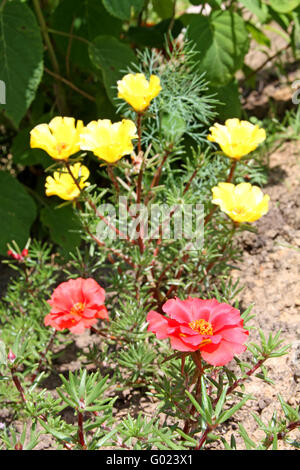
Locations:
column 111, row 56
column 93, row 44
column 21, row 58
column 17, row 210
column 123, row 8
column 75, row 51
column 222, row 43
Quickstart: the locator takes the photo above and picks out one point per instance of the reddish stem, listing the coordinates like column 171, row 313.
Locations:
column 139, row 130
column 113, row 251
column 232, row 170
column 80, row 431
column 110, row 172
column 18, row 385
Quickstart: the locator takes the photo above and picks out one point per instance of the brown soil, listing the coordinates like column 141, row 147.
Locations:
column 270, row 272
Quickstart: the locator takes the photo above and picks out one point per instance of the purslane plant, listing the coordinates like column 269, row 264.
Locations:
column 154, row 281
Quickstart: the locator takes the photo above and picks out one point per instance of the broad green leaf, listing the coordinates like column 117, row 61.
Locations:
column 164, row 8
column 154, row 36
column 284, row 6
column 111, row 57
column 85, row 19
column 17, row 212
column 21, row 58
column 229, row 104
column 24, row 155
column 63, row 226
column 99, row 21
column 123, row 8
column 257, row 7
column 212, row 3
column 222, row 42
column 258, row 35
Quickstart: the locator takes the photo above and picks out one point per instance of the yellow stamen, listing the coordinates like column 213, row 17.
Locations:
column 77, row 309
column 203, row 327
column 61, row 146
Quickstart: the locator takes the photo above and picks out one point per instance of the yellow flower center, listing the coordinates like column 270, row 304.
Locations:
column 77, row 309
column 203, row 327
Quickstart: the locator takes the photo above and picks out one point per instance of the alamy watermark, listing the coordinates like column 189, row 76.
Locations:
column 157, row 222
column 2, row 92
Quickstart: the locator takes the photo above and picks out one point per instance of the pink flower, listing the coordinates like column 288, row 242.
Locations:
column 216, row 329
column 76, row 304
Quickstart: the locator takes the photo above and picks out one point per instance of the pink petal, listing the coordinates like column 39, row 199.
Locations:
column 179, row 345
column 180, row 310
column 158, row 324
column 221, row 354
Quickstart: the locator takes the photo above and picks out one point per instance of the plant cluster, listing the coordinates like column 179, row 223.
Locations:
column 64, row 57
column 154, row 291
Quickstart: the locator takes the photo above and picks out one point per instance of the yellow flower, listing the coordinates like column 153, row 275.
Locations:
column 137, row 91
column 108, row 141
column 242, row 203
column 63, row 185
column 237, row 138
column 59, row 138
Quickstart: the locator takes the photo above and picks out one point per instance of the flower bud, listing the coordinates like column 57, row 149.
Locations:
column 11, row 357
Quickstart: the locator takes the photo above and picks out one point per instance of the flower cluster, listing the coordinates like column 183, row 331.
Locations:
column 64, row 137
column 213, row 329
column 243, row 202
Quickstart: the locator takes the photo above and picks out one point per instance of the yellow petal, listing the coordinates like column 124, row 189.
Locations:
column 59, row 138
column 63, row 185
column 108, row 141
column 237, row 138
column 138, row 91
column 242, row 203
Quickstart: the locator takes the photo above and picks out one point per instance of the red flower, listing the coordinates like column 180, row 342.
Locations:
column 76, row 304
column 17, row 256
column 216, row 329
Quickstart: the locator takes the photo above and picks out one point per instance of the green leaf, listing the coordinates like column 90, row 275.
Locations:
column 173, row 127
column 63, row 226
column 222, row 42
column 249, row 443
column 81, row 17
column 163, row 9
column 99, row 21
column 111, row 57
column 3, row 354
column 221, row 401
column 17, row 212
column 227, row 414
column 257, row 7
column 21, row 58
column 154, row 36
column 284, row 6
column 24, row 155
column 229, row 104
column 258, row 35
column 123, row 8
